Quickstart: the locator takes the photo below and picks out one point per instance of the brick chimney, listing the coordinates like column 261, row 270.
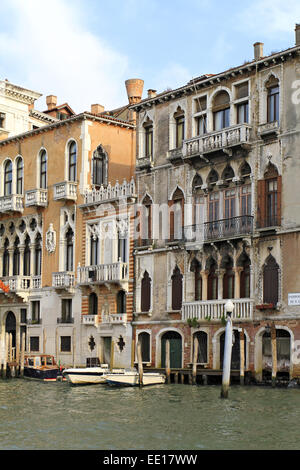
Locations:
column 297, row 34
column 151, row 93
column 97, row 109
column 134, row 87
column 258, row 50
column 51, row 101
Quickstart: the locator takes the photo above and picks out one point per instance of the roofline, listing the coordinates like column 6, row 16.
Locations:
column 194, row 85
column 82, row 116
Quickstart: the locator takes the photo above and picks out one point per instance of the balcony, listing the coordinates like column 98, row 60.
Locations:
column 36, row 197
column 89, row 320
column 103, row 273
column 67, row 190
column 11, row 203
column 223, row 140
column 63, row 280
column 175, row 155
column 233, row 227
column 109, row 193
column 209, row 310
column 115, row 319
column 144, row 163
column 268, row 129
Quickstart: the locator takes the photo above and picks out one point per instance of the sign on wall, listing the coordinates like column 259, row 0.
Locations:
column 294, row 299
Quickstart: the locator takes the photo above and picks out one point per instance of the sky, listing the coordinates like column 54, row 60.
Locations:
column 82, row 51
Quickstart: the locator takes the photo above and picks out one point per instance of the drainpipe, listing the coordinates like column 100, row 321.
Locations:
column 227, row 350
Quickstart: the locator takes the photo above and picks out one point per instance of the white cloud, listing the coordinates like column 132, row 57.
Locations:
column 57, row 55
column 172, row 76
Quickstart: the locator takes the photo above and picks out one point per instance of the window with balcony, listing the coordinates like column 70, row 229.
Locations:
column 176, row 207
column 5, row 259
column 270, row 281
column 100, row 167
column 200, row 106
column 198, row 200
column 93, row 304
column 69, row 250
column 242, row 107
column 20, row 175
column 176, row 289
column 272, row 99
column 72, row 161
column 16, row 258
column 221, row 111
column 43, row 169
column 38, row 256
column 26, row 259
column 8, row 178
column 179, row 120
column 146, row 293
column 196, row 269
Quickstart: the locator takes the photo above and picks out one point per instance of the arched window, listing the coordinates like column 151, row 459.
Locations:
column 8, row 178
column 270, row 281
column 72, row 161
column 245, row 278
column 20, row 175
column 26, row 263
column 43, row 169
column 179, row 120
column 144, row 339
column 93, row 304
column 16, row 258
column 176, row 206
column 201, row 337
column 148, row 129
column 38, row 256
column 146, row 293
column 176, row 289
column 198, row 200
column 69, row 250
column 272, row 86
column 228, row 280
column 196, row 269
column 269, row 198
column 121, row 302
column 5, row 266
column 147, row 220
column 100, row 167
column 221, row 110
column 212, row 282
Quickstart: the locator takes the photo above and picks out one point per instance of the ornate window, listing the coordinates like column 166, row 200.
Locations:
column 99, row 167
column 176, row 289
column 196, row 268
column 69, row 249
column 8, row 178
column 147, row 219
column 20, row 175
column 38, row 256
column 72, row 161
column 269, row 198
column 5, row 262
column 16, row 258
column 146, row 293
column 43, row 169
column 270, row 281
column 26, row 263
column 176, row 206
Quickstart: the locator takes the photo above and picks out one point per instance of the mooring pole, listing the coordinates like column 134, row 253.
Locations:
column 242, row 357
column 274, row 354
column 140, row 363
column 22, row 355
column 168, row 369
column 196, row 345
column 227, row 350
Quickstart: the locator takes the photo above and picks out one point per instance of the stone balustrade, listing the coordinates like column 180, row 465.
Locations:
column 209, row 310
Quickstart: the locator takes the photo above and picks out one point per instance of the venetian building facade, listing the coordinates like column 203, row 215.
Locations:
column 47, row 178
column 216, row 177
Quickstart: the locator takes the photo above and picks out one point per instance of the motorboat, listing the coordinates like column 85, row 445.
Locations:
column 89, row 375
column 131, row 378
column 41, row 367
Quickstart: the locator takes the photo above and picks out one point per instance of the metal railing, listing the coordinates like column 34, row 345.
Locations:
column 219, row 229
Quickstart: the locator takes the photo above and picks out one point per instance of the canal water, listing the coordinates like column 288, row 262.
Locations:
column 57, row 416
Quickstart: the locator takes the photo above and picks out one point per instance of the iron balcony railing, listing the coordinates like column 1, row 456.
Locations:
column 218, row 229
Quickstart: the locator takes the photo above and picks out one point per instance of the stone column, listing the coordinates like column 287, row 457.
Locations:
column 220, row 273
column 11, row 252
column 237, row 281
column 204, row 275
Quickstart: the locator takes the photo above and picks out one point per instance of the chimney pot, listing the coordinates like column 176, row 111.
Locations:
column 134, row 87
column 151, row 93
column 51, row 101
column 258, row 50
column 297, row 34
column 97, row 108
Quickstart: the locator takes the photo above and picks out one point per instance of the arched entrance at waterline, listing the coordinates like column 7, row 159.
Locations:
column 235, row 354
column 10, row 326
column 175, row 349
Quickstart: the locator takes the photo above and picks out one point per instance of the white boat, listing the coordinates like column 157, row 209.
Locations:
column 89, row 375
column 131, row 378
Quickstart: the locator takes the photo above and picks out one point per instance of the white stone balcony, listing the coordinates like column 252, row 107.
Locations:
column 67, row 190
column 115, row 319
column 238, row 135
column 102, row 273
column 63, row 280
column 11, row 203
column 268, row 128
column 210, row 310
column 19, row 285
column 110, row 193
column 89, row 320
column 36, row 197
column 36, row 282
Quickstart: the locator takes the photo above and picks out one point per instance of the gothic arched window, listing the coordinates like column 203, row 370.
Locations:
column 100, row 167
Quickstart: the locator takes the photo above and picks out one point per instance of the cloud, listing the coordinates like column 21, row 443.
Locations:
column 47, row 44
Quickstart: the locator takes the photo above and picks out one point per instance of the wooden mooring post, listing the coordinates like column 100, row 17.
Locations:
column 242, row 357
column 274, row 355
column 140, row 363
column 22, row 355
column 168, row 369
column 196, row 346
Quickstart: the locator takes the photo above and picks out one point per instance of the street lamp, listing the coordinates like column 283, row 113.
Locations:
column 229, row 307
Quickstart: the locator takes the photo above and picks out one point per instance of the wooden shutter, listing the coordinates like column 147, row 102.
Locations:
column 261, row 203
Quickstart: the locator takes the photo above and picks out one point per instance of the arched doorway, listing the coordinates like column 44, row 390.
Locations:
column 235, row 355
column 283, row 350
column 175, row 349
column 10, row 327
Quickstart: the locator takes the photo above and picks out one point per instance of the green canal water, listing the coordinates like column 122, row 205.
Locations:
column 56, row 416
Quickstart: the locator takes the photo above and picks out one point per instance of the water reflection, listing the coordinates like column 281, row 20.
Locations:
column 35, row 415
